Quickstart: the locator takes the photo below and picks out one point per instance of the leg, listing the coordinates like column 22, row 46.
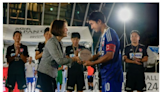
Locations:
column 38, row 83
column 80, row 82
column 46, row 83
column 100, row 82
column 130, row 82
column 71, row 80
column 22, row 90
column 140, row 82
column 10, row 83
column 10, row 90
column 21, row 81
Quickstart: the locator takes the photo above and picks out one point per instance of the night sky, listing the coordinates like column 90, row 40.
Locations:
column 145, row 19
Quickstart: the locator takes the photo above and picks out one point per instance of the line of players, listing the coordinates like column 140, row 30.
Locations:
column 108, row 58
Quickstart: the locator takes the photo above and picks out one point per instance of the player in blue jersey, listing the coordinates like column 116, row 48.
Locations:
column 109, row 51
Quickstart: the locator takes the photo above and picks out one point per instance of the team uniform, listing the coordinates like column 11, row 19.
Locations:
column 30, row 68
column 60, row 76
column 111, row 71
column 39, row 48
column 16, row 70
column 75, row 72
column 135, row 77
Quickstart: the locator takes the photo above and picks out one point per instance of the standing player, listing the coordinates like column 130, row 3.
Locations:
column 134, row 55
column 16, row 58
column 30, row 75
column 110, row 60
column 91, row 71
column 75, row 72
column 39, row 52
column 59, row 78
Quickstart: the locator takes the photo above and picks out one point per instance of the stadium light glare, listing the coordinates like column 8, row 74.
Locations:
column 125, row 14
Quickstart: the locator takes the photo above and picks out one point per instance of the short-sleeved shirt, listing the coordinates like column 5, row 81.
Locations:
column 40, row 48
column 129, row 51
column 112, row 69
column 17, row 67
column 30, row 68
column 75, row 67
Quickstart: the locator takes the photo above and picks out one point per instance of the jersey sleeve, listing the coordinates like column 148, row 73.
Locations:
column 37, row 47
column 145, row 51
column 8, row 52
column 26, row 51
column 111, row 41
column 125, row 52
column 67, row 51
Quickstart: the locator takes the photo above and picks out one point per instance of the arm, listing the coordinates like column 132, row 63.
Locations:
column 94, row 57
column 24, row 58
column 60, row 68
column 10, row 59
column 54, row 52
column 145, row 57
column 108, row 56
column 131, row 61
column 38, row 55
column 24, row 55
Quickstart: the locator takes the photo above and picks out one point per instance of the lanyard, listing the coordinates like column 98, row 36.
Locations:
column 74, row 49
column 102, row 39
column 135, row 50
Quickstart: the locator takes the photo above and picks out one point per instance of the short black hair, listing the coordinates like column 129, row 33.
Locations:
column 135, row 31
column 17, row 32
column 75, row 34
column 97, row 15
column 47, row 29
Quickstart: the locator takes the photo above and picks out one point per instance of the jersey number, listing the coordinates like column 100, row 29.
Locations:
column 107, row 86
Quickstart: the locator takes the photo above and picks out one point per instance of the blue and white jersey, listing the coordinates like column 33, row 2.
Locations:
column 112, row 69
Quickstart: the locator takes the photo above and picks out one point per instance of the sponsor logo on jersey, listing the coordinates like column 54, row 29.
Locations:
column 140, row 49
column 21, row 49
column 137, row 55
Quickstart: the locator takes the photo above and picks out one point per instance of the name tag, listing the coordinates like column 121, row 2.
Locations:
column 137, row 55
column 71, row 55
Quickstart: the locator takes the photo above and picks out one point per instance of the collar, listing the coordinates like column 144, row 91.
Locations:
column 104, row 31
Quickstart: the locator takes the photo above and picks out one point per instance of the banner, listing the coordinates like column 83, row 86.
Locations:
column 153, row 56
column 151, row 79
column 32, row 34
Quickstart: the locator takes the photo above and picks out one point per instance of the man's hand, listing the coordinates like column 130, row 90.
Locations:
column 76, row 52
column 76, row 59
column 17, row 51
column 137, row 59
column 35, row 73
column 88, row 63
column 137, row 62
